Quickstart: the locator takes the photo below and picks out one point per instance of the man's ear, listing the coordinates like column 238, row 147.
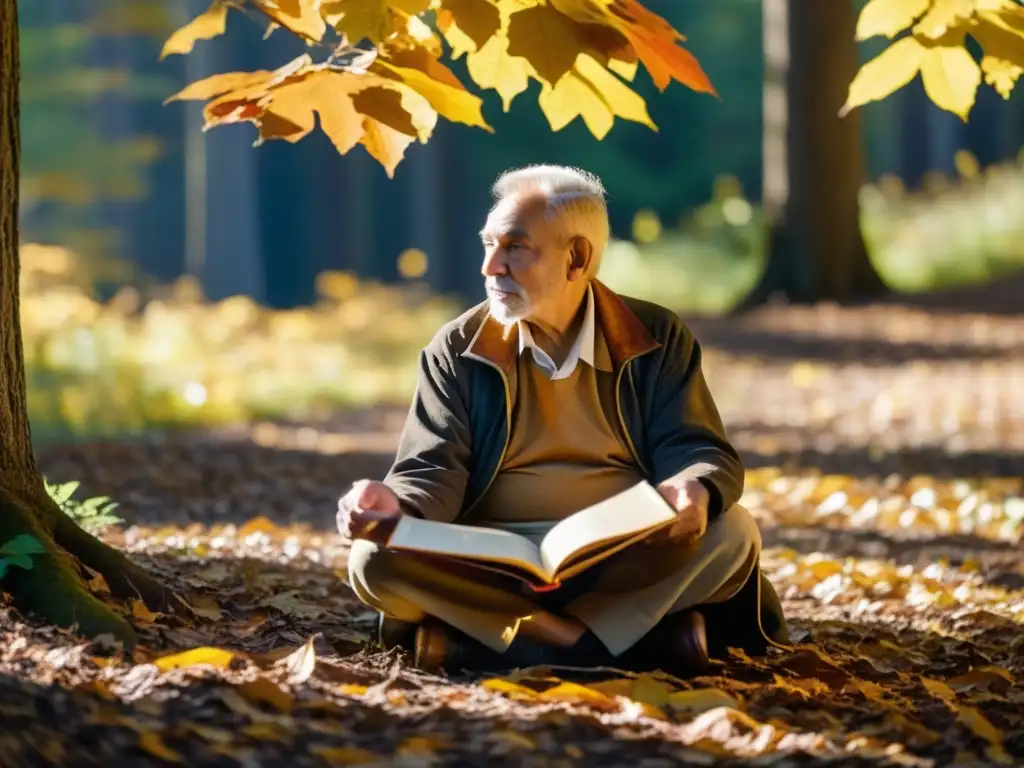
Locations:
column 580, row 254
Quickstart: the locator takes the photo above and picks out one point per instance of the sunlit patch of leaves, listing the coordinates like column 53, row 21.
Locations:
column 93, row 514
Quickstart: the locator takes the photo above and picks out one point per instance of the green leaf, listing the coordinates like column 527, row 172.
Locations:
column 61, row 493
column 24, row 544
column 22, row 561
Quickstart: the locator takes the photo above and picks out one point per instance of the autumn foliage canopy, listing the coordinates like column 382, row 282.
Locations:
column 374, row 74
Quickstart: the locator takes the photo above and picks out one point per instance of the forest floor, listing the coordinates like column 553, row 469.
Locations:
column 885, row 449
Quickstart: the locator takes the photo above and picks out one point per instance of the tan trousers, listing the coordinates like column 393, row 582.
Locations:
column 635, row 589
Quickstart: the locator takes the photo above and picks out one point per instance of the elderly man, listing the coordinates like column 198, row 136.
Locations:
column 553, row 394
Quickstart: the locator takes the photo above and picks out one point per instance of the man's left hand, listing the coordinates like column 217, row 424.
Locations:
column 689, row 498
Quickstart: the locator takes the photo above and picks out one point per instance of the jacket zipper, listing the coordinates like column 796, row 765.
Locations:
column 622, row 419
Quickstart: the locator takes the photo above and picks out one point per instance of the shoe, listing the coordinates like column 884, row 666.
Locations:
column 677, row 645
column 395, row 633
column 440, row 648
column 688, row 645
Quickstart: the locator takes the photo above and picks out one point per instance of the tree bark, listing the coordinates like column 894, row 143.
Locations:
column 813, row 159
column 54, row 588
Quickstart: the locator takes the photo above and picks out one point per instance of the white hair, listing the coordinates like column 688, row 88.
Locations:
column 569, row 192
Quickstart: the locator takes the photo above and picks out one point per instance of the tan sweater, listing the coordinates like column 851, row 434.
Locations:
column 566, row 450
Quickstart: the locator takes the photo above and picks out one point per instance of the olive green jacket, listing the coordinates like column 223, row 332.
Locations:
column 457, row 429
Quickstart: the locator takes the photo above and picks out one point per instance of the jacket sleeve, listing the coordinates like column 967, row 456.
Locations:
column 684, row 430
column 431, row 468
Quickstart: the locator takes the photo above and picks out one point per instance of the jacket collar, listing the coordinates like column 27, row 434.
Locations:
column 624, row 334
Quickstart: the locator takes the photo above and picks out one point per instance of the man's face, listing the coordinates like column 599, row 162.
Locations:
column 526, row 259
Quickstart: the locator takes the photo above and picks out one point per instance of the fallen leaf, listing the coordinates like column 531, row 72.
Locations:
column 347, row 755
column 141, row 613
column 299, row 665
column 264, row 690
column 215, row 657
column 153, row 743
column 574, row 693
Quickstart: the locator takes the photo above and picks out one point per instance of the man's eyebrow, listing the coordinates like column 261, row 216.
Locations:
column 518, row 234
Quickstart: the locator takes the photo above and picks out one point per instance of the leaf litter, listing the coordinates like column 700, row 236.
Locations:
column 905, row 652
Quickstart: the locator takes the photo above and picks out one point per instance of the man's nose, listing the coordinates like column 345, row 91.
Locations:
column 494, row 263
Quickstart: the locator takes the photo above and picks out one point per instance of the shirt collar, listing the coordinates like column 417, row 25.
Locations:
column 583, row 348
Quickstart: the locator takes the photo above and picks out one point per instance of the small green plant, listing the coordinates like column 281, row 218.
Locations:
column 18, row 551
column 92, row 514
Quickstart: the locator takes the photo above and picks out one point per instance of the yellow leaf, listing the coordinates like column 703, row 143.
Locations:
column 578, row 694
column 301, row 17
column 216, row 657
column 593, row 93
column 1003, row 46
column 468, row 24
column 888, row 17
column 258, row 524
column 546, row 38
column 620, row 98
column 411, row 7
column 493, row 67
column 500, row 685
column 300, row 664
column 887, row 72
column 347, row 755
column 359, row 19
column 951, row 78
column 452, row 101
column 217, row 85
column 701, row 700
column 385, row 145
column 943, row 16
column 574, row 97
column 266, row 731
column 1001, row 74
column 153, row 743
column 141, row 613
column 938, row 689
column 207, row 25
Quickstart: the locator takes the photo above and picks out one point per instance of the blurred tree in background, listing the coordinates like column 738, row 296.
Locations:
column 73, row 167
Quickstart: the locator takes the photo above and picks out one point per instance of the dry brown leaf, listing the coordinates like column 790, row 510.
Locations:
column 153, row 743
column 262, row 689
column 141, row 613
column 347, row 755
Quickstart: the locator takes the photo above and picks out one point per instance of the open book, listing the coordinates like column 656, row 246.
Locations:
column 570, row 547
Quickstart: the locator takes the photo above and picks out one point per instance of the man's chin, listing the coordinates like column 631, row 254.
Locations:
column 506, row 314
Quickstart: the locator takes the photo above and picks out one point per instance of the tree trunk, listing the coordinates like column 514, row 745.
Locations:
column 813, row 159
column 54, row 587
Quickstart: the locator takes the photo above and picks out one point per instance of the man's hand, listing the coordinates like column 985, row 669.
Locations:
column 368, row 511
column 689, row 498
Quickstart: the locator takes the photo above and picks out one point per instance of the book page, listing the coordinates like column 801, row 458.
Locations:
column 466, row 542
column 637, row 509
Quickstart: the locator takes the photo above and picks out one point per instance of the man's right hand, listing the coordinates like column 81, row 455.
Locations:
column 368, row 511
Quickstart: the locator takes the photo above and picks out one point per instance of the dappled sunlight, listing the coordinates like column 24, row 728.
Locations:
column 168, row 357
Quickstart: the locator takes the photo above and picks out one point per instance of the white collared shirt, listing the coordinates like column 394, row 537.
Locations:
column 583, row 348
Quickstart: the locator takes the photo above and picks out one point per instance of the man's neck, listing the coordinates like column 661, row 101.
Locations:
column 556, row 335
